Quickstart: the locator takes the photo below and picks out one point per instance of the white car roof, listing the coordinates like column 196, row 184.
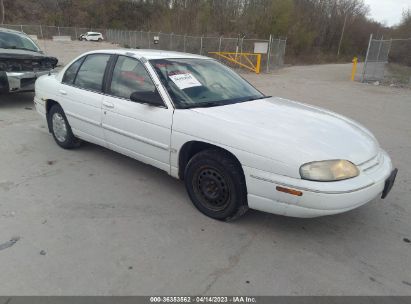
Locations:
column 148, row 54
column 93, row 33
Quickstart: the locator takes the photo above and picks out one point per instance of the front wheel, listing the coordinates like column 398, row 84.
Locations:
column 216, row 185
column 61, row 129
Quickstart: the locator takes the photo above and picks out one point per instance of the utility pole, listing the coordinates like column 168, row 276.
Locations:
column 342, row 35
column 2, row 11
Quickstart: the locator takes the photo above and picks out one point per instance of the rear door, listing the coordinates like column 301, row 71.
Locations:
column 82, row 95
column 139, row 130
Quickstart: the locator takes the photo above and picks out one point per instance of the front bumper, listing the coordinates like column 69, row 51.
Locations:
column 19, row 81
column 319, row 198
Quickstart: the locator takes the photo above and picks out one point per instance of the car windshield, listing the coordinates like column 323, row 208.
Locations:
column 203, row 83
column 17, row 41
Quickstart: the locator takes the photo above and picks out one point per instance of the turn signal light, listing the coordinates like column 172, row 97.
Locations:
column 289, row 191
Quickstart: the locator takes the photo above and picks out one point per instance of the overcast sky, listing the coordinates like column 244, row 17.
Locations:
column 387, row 11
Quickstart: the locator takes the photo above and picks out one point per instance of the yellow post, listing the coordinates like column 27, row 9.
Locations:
column 258, row 66
column 354, row 68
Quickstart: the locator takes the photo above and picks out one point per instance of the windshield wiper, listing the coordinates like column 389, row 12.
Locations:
column 209, row 104
column 206, row 104
column 257, row 98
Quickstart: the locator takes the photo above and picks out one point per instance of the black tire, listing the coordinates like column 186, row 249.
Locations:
column 216, row 185
column 99, row 39
column 70, row 141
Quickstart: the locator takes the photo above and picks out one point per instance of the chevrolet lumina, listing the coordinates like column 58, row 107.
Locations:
column 199, row 121
column 21, row 62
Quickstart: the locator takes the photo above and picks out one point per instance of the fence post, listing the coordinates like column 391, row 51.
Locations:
column 241, row 52
column 135, row 39
column 389, row 49
column 285, row 46
column 42, row 38
column 184, row 42
column 379, row 49
column 148, row 35
column 58, row 30
column 201, row 45
column 388, row 54
column 219, row 44
column 171, row 41
column 366, row 60
column 269, row 53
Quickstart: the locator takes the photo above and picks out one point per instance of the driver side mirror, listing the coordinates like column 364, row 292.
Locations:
column 148, row 97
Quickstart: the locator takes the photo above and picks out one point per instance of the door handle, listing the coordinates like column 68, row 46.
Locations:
column 108, row 104
column 62, row 92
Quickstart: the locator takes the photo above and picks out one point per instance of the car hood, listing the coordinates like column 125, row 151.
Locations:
column 288, row 131
column 13, row 60
column 21, row 54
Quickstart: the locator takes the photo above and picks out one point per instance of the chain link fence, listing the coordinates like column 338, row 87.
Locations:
column 274, row 58
column 201, row 45
column 48, row 32
column 388, row 62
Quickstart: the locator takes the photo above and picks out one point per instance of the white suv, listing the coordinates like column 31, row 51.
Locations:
column 91, row 36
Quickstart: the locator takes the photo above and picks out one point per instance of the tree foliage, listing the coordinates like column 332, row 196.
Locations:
column 401, row 50
column 312, row 27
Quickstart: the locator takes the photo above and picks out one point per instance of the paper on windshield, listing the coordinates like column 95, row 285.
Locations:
column 185, row 81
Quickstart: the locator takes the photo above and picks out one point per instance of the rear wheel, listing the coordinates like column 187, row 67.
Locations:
column 216, row 185
column 61, row 129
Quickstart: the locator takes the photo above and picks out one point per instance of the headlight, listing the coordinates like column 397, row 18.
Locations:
column 328, row 170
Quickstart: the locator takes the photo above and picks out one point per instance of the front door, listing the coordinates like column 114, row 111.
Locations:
column 136, row 129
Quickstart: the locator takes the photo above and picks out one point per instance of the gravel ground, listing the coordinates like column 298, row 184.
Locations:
column 66, row 51
column 94, row 222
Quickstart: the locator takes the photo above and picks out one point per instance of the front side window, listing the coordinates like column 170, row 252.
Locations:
column 202, row 83
column 71, row 72
column 130, row 76
column 91, row 73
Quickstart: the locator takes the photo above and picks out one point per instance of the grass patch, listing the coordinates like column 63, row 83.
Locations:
column 398, row 74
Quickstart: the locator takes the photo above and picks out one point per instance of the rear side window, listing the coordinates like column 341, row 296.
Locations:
column 91, row 73
column 71, row 72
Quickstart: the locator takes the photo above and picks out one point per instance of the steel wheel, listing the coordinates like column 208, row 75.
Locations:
column 59, row 127
column 211, row 188
column 216, row 184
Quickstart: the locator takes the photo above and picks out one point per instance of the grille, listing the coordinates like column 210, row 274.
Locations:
column 18, row 65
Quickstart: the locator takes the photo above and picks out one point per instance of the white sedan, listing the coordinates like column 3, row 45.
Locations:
column 199, row 121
